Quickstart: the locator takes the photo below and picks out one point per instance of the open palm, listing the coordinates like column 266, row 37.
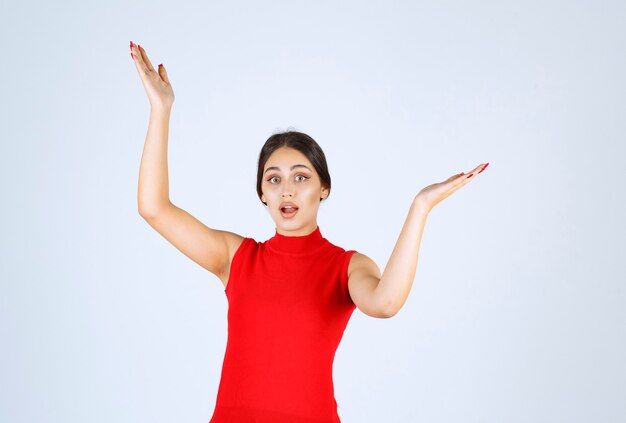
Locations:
column 155, row 82
column 433, row 194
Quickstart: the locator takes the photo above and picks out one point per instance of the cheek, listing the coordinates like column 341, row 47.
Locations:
column 313, row 195
column 268, row 189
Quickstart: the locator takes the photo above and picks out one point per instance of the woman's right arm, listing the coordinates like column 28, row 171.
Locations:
column 210, row 248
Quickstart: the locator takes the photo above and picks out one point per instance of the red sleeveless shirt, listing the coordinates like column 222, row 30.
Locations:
column 288, row 307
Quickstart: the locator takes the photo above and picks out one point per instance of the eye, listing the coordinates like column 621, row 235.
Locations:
column 305, row 178
column 270, row 179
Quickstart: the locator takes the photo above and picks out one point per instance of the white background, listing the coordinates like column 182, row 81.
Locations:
column 517, row 311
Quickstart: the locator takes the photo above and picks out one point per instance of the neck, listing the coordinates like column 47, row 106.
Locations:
column 298, row 232
column 297, row 244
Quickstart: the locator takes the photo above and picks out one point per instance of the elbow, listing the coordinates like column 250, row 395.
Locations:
column 144, row 213
column 386, row 308
column 378, row 312
column 387, row 311
column 150, row 211
column 143, row 209
column 382, row 314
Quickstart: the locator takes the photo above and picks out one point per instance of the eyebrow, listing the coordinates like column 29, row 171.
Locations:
column 292, row 168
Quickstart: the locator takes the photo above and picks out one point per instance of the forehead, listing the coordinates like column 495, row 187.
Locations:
column 286, row 157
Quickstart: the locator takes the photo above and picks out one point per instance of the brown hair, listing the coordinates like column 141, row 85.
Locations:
column 301, row 142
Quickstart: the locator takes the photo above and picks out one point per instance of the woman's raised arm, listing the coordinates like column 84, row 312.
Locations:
column 153, row 192
column 384, row 295
column 212, row 249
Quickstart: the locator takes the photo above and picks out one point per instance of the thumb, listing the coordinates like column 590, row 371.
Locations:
column 163, row 73
column 454, row 176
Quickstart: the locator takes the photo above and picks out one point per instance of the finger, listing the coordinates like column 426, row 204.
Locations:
column 484, row 167
column 459, row 180
column 163, row 73
column 476, row 170
column 455, row 182
column 144, row 56
column 453, row 177
column 137, row 56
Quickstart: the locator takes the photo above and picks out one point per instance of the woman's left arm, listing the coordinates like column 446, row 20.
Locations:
column 397, row 278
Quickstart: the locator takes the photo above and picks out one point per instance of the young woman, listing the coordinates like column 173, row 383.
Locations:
column 290, row 297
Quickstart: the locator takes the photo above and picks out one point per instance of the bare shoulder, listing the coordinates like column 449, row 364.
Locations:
column 363, row 278
column 360, row 263
column 233, row 239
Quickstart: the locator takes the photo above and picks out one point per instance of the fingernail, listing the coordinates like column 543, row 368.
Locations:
column 469, row 175
column 484, row 167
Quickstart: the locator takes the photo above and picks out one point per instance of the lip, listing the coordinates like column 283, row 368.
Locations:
column 287, row 203
column 287, row 216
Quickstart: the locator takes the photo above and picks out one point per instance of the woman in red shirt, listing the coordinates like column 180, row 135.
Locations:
column 291, row 296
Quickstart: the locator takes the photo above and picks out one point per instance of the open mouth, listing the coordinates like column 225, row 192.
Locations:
column 288, row 211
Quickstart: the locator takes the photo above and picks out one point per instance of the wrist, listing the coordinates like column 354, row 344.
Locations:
column 419, row 205
column 160, row 109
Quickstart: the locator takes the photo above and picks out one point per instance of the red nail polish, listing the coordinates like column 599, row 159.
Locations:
column 484, row 167
column 469, row 175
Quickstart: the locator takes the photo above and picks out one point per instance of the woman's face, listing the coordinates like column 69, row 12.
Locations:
column 288, row 176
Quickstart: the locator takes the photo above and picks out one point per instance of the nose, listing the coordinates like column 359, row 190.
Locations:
column 288, row 190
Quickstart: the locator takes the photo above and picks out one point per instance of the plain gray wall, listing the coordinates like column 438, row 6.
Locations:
column 517, row 311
